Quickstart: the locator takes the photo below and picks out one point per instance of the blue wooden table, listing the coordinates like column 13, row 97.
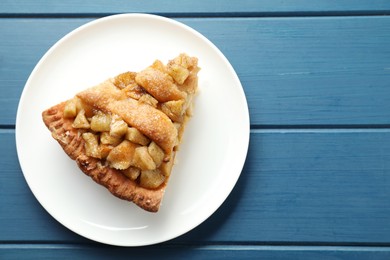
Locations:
column 316, row 182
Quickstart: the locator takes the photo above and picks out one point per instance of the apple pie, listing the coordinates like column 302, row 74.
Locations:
column 124, row 132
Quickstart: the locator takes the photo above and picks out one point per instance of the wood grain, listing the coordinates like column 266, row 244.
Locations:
column 18, row 251
column 295, row 71
column 310, row 186
column 199, row 8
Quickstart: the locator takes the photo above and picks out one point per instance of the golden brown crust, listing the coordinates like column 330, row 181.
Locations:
column 159, row 84
column 148, row 120
column 117, row 183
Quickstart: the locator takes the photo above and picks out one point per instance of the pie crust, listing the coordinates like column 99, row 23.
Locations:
column 124, row 132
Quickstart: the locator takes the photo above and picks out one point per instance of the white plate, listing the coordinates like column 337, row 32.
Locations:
column 210, row 159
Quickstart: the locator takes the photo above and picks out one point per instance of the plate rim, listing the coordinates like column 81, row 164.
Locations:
column 246, row 135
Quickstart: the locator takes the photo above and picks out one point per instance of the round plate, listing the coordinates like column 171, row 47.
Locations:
column 211, row 157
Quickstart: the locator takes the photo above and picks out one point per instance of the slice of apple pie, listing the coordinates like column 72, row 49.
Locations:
column 124, row 132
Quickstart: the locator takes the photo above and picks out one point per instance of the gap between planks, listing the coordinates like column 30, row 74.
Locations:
column 319, row 128
column 271, row 14
column 280, row 129
column 216, row 247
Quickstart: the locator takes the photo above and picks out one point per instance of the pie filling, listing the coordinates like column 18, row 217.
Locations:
column 134, row 122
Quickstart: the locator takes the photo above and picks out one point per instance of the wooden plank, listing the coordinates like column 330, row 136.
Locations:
column 191, row 252
column 203, row 8
column 297, row 186
column 295, row 71
column 310, row 71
